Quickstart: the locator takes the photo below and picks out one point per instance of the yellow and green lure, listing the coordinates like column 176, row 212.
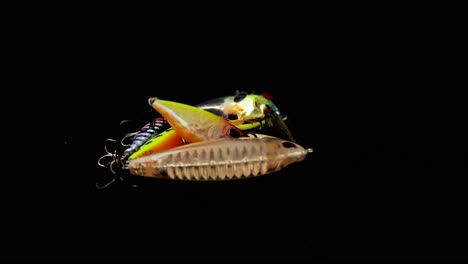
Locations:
column 215, row 140
column 248, row 112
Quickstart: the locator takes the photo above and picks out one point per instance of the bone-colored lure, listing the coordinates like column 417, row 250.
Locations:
column 221, row 159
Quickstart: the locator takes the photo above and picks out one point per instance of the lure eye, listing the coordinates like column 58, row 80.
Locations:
column 288, row 144
column 234, row 133
column 232, row 117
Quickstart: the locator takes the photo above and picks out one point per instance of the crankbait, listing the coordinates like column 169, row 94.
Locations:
column 263, row 117
column 218, row 149
column 244, row 110
column 182, row 124
column 220, row 159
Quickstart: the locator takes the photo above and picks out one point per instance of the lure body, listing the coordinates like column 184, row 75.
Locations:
column 221, row 159
column 195, row 124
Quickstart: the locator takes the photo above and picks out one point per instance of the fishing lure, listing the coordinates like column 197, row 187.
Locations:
column 218, row 149
column 222, row 118
column 246, row 111
column 220, row 159
column 189, row 124
column 258, row 118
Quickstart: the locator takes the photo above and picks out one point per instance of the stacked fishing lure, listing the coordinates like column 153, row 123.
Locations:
column 226, row 138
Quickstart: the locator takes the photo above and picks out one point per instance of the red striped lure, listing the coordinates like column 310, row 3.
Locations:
column 224, row 126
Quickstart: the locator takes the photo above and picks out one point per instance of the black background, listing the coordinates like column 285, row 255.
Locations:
column 370, row 95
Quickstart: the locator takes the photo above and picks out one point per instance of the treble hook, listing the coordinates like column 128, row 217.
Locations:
column 116, row 159
column 113, row 155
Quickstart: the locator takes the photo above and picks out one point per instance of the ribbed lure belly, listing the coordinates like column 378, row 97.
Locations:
column 222, row 159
